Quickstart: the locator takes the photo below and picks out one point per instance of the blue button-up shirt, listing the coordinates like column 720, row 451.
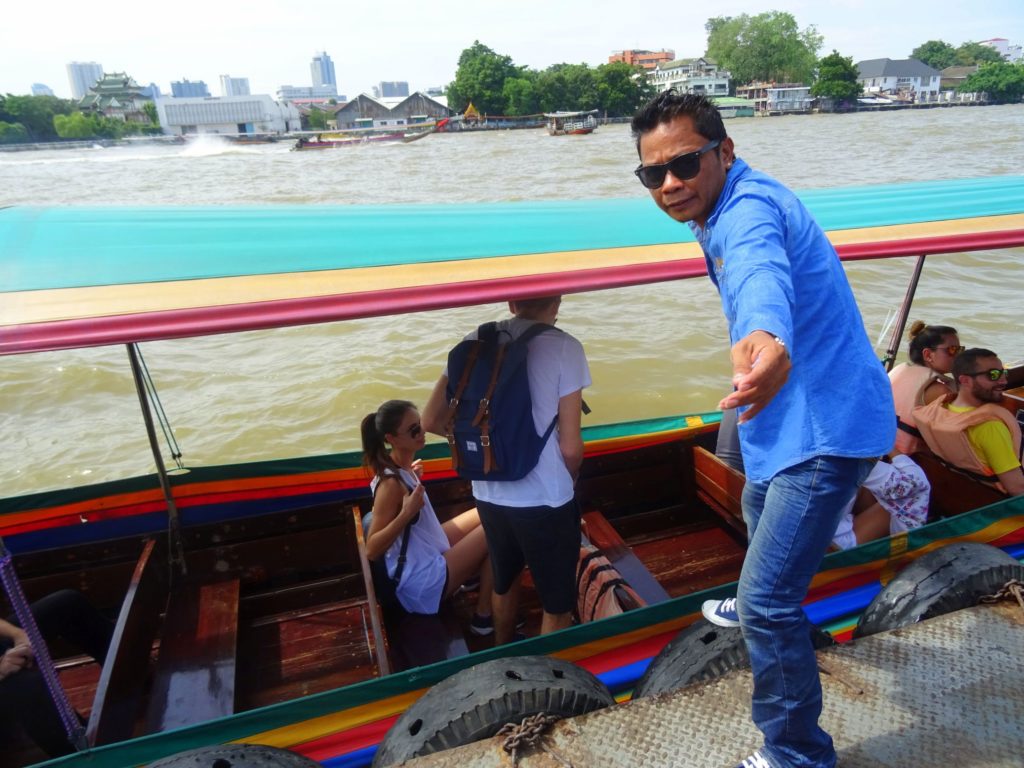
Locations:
column 777, row 272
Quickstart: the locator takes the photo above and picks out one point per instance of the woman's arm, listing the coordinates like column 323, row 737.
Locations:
column 393, row 509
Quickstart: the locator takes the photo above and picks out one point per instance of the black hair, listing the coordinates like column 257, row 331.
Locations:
column 965, row 362
column 384, row 421
column 670, row 104
column 924, row 337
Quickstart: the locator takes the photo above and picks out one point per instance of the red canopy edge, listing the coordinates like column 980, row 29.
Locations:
column 184, row 323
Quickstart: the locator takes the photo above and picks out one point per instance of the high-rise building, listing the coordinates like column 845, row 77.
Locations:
column 83, row 75
column 322, row 69
column 234, row 86
column 41, row 89
column 186, row 88
column 389, row 89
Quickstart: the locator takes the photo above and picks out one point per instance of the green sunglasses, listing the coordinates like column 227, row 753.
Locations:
column 994, row 374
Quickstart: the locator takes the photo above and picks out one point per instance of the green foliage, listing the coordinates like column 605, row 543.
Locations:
column 976, row 53
column 1002, row 81
column 621, row 89
column 82, row 126
column 34, row 113
column 149, row 109
column 837, row 78
column 317, row 119
column 496, row 86
column 937, row 54
column 480, row 79
column 768, row 47
column 12, row 133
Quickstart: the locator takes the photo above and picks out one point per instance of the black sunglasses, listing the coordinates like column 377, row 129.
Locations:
column 683, row 167
column 994, row 374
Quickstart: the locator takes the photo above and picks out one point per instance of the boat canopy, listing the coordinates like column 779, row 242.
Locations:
column 89, row 276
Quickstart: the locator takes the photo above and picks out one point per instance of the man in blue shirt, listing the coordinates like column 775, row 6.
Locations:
column 795, row 332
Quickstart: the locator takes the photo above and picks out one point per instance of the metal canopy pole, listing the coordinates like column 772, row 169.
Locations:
column 901, row 318
column 175, row 549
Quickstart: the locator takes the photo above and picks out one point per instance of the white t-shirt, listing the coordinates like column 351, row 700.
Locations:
column 556, row 366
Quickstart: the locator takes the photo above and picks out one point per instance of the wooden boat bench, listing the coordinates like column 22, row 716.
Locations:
column 404, row 640
column 120, row 690
column 953, row 491
column 721, row 488
column 599, row 532
column 195, row 671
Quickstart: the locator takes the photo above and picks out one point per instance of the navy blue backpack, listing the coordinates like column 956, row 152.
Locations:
column 490, row 413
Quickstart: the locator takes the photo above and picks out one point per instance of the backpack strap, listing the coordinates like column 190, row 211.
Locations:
column 400, row 565
column 483, row 413
column 487, row 330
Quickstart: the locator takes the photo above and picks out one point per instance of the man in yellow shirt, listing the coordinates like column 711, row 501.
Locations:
column 974, row 431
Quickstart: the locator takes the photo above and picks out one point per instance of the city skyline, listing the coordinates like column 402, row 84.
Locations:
column 421, row 43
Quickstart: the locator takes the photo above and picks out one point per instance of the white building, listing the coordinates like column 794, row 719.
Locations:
column 1012, row 53
column 790, row 98
column 83, row 75
column 234, row 86
column 41, row 89
column 230, row 115
column 307, row 93
column 899, row 77
column 691, row 76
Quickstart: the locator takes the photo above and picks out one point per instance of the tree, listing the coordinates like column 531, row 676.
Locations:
column 937, row 54
column 520, row 95
column 149, row 109
column 12, row 133
column 34, row 113
column 976, row 53
column 1002, row 81
column 837, row 78
column 768, row 47
column 480, row 79
column 621, row 89
column 317, row 119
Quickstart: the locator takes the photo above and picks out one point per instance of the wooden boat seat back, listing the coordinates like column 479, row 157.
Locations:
column 120, row 690
column 953, row 491
column 721, row 488
column 195, row 672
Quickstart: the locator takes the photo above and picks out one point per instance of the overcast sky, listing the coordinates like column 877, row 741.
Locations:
column 271, row 42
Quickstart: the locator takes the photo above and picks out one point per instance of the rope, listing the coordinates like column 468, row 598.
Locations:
column 68, row 716
column 161, row 415
column 1014, row 588
column 529, row 733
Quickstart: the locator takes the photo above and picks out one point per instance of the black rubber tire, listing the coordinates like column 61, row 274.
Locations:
column 702, row 651
column 236, row 756
column 475, row 703
column 947, row 579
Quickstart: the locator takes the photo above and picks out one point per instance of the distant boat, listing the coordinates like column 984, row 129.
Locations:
column 571, row 123
column 336, row 139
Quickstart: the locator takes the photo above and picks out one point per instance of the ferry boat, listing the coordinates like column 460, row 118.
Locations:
column 250, row 580
column 571, row 123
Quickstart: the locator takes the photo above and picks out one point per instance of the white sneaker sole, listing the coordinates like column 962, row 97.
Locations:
column 708, row 609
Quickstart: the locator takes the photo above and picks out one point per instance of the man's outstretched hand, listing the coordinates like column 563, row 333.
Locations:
column 760, row 366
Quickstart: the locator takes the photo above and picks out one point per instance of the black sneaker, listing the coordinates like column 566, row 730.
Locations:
column 756, row 760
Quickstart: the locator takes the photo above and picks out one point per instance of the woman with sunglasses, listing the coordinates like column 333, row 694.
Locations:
column 439, row 557
column 923, row 379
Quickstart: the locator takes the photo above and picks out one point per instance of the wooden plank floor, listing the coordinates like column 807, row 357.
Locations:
column 321, row 649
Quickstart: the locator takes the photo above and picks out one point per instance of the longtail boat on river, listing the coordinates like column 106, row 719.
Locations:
column 245, row 610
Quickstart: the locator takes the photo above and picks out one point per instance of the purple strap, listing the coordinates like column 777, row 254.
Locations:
column 75, row 731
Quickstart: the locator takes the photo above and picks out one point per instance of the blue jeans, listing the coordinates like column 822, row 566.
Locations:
column 790, row 521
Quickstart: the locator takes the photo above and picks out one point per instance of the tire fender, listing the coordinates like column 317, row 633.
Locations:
column 947, row 579
column 475, row 703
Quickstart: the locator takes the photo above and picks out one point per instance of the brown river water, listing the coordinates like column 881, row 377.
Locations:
column 72, row 418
